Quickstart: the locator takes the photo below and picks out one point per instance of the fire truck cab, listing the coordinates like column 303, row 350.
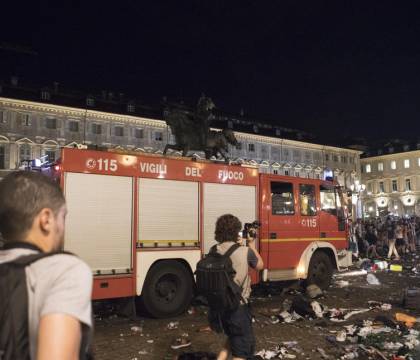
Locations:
column 142, row 222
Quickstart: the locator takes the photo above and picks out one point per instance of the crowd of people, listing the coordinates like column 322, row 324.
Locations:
column 390, row 237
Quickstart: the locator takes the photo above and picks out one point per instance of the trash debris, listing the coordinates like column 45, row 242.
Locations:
column 351, row 273
column 313, row 291
column 372, row 279
column 173, row 325
column 181, row 342
column 142, row 352
column 317, row 308
column 411, row 298
column 341, row 336
column 408, row 320
column 395, row 267
column 150, row 341
column 342, row 283
column 136, row 329
column 323, row 353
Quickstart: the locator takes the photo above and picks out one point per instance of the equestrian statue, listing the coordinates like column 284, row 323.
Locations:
column 192, row 131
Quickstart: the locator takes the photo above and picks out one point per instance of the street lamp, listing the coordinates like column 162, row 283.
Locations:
column 357, row 188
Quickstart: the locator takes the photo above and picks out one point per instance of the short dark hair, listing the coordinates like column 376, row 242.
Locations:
column 227, row 228
column 23, row 195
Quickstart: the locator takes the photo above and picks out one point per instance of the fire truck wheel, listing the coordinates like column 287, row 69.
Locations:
column 320, row 270
column 168, row 289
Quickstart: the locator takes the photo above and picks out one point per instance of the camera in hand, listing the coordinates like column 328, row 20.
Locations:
column 250, row 229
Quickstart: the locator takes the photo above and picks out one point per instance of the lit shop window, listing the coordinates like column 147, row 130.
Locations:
column 406, row 163
column 380, row 166
column 368, row 168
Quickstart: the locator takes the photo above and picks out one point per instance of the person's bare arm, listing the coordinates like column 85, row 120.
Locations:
column 59, row 337
column 251, row 245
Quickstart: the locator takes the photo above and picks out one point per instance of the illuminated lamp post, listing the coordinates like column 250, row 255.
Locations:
column 357, row 189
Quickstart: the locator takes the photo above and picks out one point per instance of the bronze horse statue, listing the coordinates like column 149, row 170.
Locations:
column 216, row 143
column 191, row 131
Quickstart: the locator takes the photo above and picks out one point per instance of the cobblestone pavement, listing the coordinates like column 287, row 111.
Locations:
column 151, row 338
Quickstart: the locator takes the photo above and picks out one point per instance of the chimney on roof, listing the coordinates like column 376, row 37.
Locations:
column 14, row 80
column 55, row 84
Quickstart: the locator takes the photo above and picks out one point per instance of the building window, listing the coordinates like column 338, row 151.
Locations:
column 296, row 155
column 407, row 185
column 406, row 163
column 351, row 160
column 394, row 185
column 391, row 150
column 381, row 187
column 286, row 153
column 307, row 200
column 131, row 108
column 51, row 123
column 26, row 120
column 406, row 147
column 90, row 101
column 2, row 117
column 297, row 174
column 344, row 159
column 317, row 175
column 335, row 158
column 158, row 136
column 139, row 133
column 327, row 157
column 239, row 146
column 45, row 95
column 278, row 132
column 255, row 128
column 380, row 166
column 96, row 129
column 368, row 168
column 50, row 153
column 25, row 152
column 230, row 124
column 393, row 164
column 282, row 202
column 251, row 147
column 2, row 158
column 74, row 126
column 286, row 172
column 119, row 131
column 418, row 161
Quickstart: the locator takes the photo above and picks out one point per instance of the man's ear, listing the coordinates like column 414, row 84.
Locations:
column 45, row 219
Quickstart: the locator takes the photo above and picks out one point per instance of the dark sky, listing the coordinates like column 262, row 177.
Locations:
column 338, row 67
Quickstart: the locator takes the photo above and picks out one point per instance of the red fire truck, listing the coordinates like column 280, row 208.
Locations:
column 142, row 222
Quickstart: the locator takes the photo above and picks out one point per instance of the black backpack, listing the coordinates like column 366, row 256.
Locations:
column 14, row 329
column 215, row 282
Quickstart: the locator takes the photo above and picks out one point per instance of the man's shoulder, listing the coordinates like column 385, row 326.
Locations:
column 62, row 264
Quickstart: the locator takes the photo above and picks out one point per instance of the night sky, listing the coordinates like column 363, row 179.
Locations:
column 335, row 68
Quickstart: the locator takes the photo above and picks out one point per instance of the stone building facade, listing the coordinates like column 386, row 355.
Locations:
column 38, row 129
column 392, row 183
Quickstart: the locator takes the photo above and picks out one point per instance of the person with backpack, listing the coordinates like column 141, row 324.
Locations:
column 45, row 294
column 223, row 280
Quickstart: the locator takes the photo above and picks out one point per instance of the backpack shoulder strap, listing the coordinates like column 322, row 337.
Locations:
column 29, row 259
column 231, row 250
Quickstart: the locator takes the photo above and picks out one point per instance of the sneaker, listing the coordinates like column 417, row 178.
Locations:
column 180, row 343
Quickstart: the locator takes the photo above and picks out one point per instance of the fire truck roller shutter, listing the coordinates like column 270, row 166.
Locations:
column 168, row 213
column 99, row 221
column 219, row 199
column 169, row 219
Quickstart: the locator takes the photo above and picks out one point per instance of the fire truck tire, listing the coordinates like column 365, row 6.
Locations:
column 320, row 270
column 167, row 290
